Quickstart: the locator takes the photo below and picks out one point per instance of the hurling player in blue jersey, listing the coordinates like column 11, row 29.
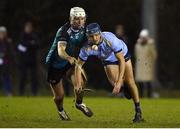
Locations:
column 61, row 59
column 114, row 55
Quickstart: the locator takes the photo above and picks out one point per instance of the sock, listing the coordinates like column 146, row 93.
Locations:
column 78, row 101
column 60, row 109
column 137, row 107
column 59, row 104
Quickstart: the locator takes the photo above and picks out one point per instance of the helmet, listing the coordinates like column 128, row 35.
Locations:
column 77, row 12
column 93, row 28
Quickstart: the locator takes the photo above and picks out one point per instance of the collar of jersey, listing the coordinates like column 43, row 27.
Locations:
column 76, row 31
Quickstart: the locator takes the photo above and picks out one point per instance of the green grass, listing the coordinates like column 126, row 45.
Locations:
column 108, row 112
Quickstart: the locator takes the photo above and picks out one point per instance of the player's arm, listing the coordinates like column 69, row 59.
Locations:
column 78, row 72
column 62, row 53
column 119, row 82
column 117, row 46
column 83, row 56
column 121, row 59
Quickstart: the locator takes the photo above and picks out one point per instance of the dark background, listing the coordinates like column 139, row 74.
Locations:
column 49, row 15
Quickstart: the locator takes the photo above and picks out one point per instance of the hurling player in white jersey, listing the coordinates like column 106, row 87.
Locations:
column 114, row 55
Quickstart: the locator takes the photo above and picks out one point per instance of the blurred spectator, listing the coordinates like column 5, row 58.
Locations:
column 27, row 50
column 145, row 53
column 120, row 33
column 5, row 60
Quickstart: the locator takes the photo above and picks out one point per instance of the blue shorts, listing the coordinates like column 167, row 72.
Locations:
column 126, row 57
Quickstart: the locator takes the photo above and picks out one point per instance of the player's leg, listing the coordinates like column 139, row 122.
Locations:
column 56, row 84
column 79, row 93
column 129, row 79
column 112, row 72
column 58, row 92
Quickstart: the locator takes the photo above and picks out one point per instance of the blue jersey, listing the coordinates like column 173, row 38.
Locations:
column 107, row 49
column 74, row 39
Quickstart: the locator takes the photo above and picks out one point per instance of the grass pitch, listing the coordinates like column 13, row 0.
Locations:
column 108, row 112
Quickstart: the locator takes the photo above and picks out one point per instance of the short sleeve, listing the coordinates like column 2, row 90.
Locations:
column 61, row 35
column 117, row 45
column 83, row 55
